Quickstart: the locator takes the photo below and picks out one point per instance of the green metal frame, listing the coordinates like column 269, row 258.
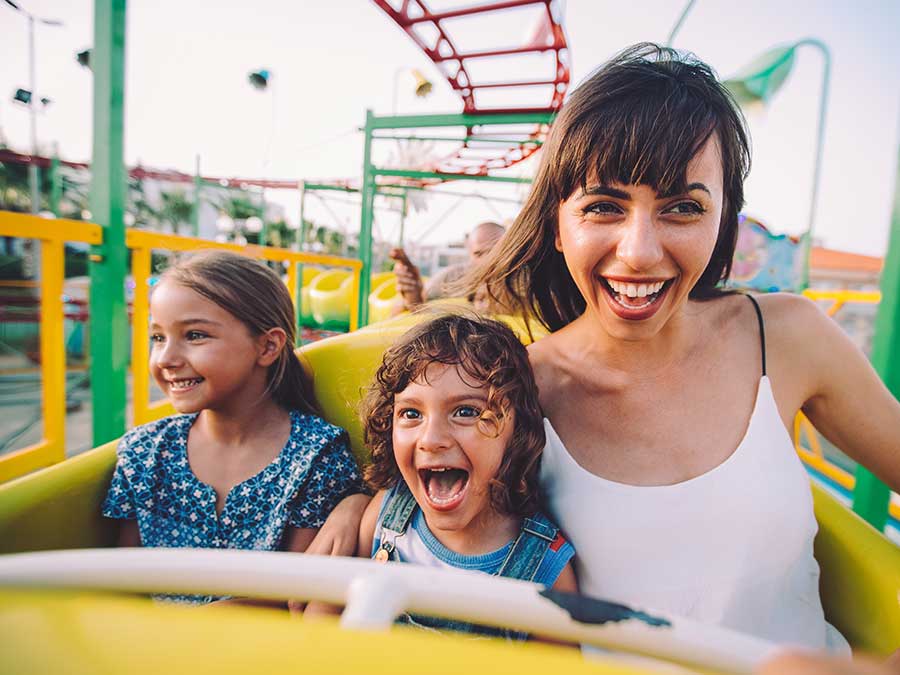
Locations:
column 109, row 316
column 871, row 497
column 371, row 172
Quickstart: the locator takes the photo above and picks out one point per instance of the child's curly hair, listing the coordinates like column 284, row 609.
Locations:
column 488, row 352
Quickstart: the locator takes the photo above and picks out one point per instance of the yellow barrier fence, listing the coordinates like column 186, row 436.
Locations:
column 52, row 235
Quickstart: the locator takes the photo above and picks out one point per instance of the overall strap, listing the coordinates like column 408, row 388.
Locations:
column 398, row 513
column 762, row 331
column 529, row 549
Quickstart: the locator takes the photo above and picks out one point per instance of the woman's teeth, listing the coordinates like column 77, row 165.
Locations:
column 635, row 290
column 634, row 296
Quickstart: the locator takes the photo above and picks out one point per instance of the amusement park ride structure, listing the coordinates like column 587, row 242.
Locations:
column 493, row 139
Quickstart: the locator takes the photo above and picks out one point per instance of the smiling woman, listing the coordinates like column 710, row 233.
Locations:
column 668, row 400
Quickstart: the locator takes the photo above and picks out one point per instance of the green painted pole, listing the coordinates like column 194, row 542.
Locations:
column 109, row 317
column 365, row 226
column 820, row 144
column 408, row 173
column 55, row 184
column 300, row 245
column 458, row 120
column 403, row 206
column 871, row 497
column 195, row 212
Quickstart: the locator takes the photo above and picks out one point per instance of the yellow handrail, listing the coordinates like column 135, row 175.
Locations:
column 52, row 234
column 841, row 297
column 143, row 243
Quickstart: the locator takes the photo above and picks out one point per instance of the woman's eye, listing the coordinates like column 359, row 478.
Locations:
column 602, row 208
column 195, row 335
column 687, row 208
column 468, row 411
column 409, row 414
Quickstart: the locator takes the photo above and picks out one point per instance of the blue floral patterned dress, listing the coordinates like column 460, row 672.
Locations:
column 154, row 484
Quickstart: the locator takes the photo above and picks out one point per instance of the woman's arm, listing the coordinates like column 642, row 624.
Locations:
column 367, row 526
column 340, row 533
column 844, row 398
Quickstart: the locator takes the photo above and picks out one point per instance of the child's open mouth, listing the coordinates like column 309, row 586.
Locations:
column 445, row 487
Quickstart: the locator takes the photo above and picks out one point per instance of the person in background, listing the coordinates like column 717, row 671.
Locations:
column 413, row 291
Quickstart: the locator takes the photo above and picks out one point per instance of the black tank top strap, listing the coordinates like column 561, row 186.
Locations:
column 762, row 331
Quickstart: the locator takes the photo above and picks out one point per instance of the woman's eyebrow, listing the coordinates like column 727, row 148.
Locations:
column 688, row 188
column 606, row 192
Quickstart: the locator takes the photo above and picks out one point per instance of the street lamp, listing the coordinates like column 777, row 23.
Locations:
column 32, row 168
column 261, row 80
column 759, row 80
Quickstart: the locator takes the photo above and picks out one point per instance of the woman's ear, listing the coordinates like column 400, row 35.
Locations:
column 270, row 344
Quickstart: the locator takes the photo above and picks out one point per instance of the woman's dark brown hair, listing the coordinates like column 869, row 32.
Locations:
column 639, row 119
column 486, row 352
column 255, row 296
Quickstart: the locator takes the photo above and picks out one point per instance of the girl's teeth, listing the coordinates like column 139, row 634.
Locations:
column 184, row 384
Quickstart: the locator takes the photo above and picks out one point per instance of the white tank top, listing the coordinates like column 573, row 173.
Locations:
column 732, row 547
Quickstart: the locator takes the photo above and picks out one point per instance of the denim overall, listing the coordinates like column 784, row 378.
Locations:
column 522, row 562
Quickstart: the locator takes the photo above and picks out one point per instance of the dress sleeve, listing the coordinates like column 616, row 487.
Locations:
column 120, row 498
column 333, row 475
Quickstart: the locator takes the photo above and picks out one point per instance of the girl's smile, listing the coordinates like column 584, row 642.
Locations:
column 448, row 452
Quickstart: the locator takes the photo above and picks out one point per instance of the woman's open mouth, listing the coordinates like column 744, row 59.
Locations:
column 635, row 301
column 445, row 487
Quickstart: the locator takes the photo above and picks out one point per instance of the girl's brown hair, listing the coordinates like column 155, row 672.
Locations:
column 639, row 119
column 253, row 294
column 488, row 352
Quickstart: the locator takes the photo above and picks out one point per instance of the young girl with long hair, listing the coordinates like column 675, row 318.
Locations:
column 247, row 463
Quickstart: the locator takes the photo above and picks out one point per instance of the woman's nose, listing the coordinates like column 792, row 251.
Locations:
column 640, row 247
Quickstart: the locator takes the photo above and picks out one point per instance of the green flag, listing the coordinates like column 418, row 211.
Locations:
column 760, row 79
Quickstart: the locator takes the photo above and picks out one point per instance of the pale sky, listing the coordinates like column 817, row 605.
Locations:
column 187, row 94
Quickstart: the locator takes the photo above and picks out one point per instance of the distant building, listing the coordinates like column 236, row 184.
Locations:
column 838, row 270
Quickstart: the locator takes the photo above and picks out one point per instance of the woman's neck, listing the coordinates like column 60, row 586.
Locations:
column 670, row 347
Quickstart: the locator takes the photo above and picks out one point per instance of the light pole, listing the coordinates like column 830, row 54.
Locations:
column 33, row 100
column 760, row 80
column 261, row 80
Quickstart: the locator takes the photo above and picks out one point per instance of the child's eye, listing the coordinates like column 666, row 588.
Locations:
column 469, row 411
column 157, row 337
column 195, row 335
column 409, row 414
column 686, row 208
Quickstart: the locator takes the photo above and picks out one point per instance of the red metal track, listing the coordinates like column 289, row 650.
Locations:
column 413, row 15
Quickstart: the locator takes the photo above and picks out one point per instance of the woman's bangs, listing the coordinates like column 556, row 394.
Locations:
column 649, row 143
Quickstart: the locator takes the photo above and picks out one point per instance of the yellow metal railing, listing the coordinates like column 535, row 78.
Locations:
column 52, row 234
column 143, row 243
column 840, row 298
column 811, row 452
